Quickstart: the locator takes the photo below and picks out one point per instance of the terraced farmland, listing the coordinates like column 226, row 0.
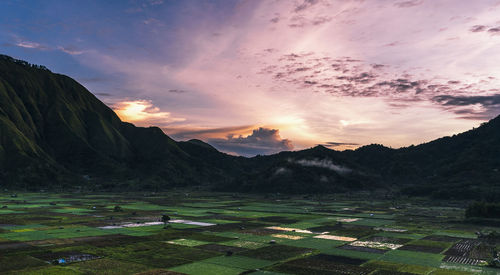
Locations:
column 218, row 233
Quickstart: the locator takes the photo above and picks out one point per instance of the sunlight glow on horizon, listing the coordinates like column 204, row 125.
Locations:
column 338, row 72
column 142, row 112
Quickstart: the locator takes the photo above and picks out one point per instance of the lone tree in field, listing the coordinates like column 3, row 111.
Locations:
column 165, row 219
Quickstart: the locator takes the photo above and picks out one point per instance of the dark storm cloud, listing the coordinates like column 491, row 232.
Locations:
column 262, row 141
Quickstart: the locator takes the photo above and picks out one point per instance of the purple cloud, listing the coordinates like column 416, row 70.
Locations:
column 31, row 45
column 185, row 133
column 333, row 144
column 462, row 105
column 408, row 4
column 305, row 5
column 494, row 31
column 72, row 50
column 478, row 28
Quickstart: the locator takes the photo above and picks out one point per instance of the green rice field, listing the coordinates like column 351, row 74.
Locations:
column 220, row 233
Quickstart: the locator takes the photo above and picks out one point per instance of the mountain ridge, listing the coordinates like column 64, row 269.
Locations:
column 54, row 133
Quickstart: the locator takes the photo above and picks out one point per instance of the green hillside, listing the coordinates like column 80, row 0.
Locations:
column 54, row 131
column 56, row 134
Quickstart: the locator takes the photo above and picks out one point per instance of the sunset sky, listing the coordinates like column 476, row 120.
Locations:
column 259, row 77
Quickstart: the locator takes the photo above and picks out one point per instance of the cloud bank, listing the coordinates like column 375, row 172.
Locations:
column 262, row 141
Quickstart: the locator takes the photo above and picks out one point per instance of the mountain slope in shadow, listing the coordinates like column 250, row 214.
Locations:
column 55, row 134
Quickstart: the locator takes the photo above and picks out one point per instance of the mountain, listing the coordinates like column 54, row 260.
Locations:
column 56, row 134
column 312, row 170
column 53, row 132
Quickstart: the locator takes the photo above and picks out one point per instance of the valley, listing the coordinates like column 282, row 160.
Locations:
column 231, row 233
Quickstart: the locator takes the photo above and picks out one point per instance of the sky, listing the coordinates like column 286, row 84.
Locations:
column 258, row 77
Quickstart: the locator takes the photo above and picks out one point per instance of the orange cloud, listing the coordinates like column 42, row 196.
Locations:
column 187, row 132
column 143, row 113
